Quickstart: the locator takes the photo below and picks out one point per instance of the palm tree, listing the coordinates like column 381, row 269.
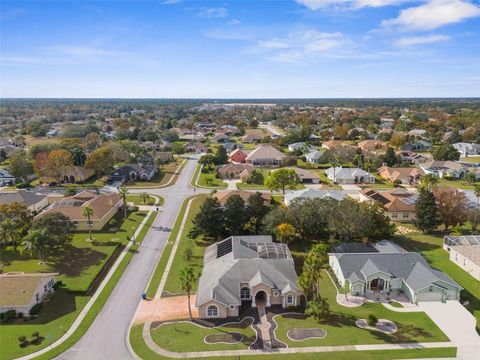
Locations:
column 428, row 181
column 88, row 212
column 144, row 197
column 188, row 277
column 35, row 243
column 123, row 192
column 9, row 231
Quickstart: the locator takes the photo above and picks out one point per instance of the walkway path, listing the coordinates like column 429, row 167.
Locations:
column 264, row 327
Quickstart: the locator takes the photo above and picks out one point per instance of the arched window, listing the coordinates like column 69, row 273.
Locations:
column 212, row 311
column 289, row 299
column 245, row 293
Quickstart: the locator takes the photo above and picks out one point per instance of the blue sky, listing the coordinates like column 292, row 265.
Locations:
column 240, row 49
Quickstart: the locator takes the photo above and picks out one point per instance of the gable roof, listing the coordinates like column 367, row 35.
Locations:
column 25, row 197
column 251, row 260
column 266, row 152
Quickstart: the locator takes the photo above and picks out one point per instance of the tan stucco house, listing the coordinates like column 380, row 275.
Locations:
column 249, row 271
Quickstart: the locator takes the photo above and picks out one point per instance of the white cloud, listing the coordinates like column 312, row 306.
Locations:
column 301, row 45
column 434, row 14
column 351, row 4
column 213, row 12
column 170, row 2
column 234, row 22
column 420, row 40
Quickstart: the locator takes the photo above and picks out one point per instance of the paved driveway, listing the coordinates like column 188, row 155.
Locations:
column 458, row 324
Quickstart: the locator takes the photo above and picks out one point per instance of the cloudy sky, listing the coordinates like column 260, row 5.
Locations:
column 240, row 49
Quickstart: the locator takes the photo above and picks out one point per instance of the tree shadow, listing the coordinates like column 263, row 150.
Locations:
column 72, row 261
column 417, row 244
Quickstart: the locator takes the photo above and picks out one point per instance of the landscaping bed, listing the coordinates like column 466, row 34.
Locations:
column 303, row 334
column 383, row 325
column 225, row 338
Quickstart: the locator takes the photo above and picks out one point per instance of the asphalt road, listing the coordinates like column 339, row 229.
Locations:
column 106, row 337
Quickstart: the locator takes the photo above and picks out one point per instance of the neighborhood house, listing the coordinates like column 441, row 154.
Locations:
column 266, row 156
column 465, row 252
column 385, row 268
column 349, row 175
column 246, row 270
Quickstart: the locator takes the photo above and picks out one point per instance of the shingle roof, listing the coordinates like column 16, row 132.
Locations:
column 266, row 152
column 25, row 197
column 248, row 259
column 17, row 289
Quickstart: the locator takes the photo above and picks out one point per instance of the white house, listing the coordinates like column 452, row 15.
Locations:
column 314, row 157
column 440, row 169
column 467, row 149
column 349, row 175
column 20, row 292
column 464, row 251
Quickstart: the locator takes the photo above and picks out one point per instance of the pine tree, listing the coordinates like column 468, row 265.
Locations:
column 427, row 217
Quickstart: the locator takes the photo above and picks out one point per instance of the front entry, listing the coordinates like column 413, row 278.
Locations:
column 260, row 298
column 377, row 284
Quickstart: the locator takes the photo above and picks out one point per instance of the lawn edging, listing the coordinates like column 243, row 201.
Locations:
column 95, row 303
column 173, row 178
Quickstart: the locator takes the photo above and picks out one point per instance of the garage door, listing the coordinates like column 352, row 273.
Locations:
column 429, row 296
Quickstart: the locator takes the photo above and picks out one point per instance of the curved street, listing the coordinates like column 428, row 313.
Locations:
column 106, row 337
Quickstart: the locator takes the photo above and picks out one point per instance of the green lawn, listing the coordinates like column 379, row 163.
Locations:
column 141, row 349
column 58, row 315
column 186, row 337
column 430, row 246
column 459, row 184
column 79, row 262
column 472, row 159
column 137, row 200
column 380, row 183
column 210, row 180
column 341, row 329
column 325, row 180
column 163, row 176
column 197, row 245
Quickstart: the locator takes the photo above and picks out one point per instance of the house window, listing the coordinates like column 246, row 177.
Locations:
column 37, row 297
column 245, row 293
column 394, row 216
column 276, row 293
column 45, row 287
column 212, row 311
column 290, row 299
column 405, row 215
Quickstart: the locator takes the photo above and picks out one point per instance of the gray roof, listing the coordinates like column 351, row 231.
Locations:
column 314, row 194
column 409, row 266
column 25, row 197
column 345, row 173
column 5, row 174
column 244, row 259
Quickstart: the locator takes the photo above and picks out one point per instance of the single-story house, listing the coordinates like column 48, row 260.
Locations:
column 418, row 145
column 372, row 145
column 266, row 156
column 407, row 176
column 314, row 157
column 467, row 149
column 104, row 207
column 77, row 174
column 411, row 157
column 20, row 292
column 229, row 146
column 133, row 172
column 300, row 195
column 343, row 175
column 300, row 146
column 246, row 270
column 233, row 170
column 165, row 156
column 252, row 136
column 33, row 201
column 307, row 176
column 332, row 144
column 399, row 204
column 465, row 252
column 238, row 156
column 386, row 267
column 195, row 147
column 5, row 178
column 440, row 169
column 223, row 195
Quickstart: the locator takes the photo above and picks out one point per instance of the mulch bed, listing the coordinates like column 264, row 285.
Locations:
column 228, row 338
column 303, row 334
column 383, row 325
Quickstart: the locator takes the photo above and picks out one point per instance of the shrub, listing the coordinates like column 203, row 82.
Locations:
column 372, row 320
column 36, row 309
column 20, row 315
column 22, row 185
column 57, row 285
column 397, row 183
column 9, row 315
column 36, row 334
column 22, row 338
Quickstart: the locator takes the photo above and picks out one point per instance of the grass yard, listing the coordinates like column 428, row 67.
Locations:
column 380, row 183
column 137, row 200
column 471, row 159
column 341, row 329
column 141, row 349
column 459, row 184
column 186, row 337
column 210, row 180
column 325, row 181
column 430, row 246
column 80, row 262
column 163, row 176
column 197, row 245
column 265, row 172
column 58, row 315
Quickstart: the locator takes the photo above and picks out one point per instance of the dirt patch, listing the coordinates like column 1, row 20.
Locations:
column 304, row 334
column 225, row 338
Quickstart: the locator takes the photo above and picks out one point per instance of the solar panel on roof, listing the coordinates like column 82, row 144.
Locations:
column 224, row 247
